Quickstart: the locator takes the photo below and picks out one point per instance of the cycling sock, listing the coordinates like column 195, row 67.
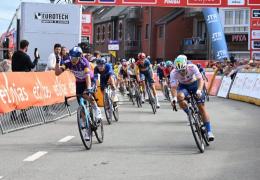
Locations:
column 186, row 110
column 208, row 126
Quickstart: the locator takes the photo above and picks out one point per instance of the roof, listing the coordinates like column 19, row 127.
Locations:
column 170, row 17
column 114, row 11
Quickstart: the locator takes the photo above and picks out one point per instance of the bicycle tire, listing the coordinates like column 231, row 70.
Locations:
column 107, row 108
column 196, row 131
column 115, row 111
column 80, row 113
column 151, row 98
column 97, row 127
column 166, row 92
column 206, row 93
column 138, row 98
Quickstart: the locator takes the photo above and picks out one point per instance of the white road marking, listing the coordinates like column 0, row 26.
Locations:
column 35, row 156
column 66, row 139
column 1, row 177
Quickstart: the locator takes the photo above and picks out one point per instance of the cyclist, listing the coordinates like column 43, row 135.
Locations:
column 202, row 71
column 160, row 72
column 80, row 67
column 123, row 76
column 145, row 71
column 186, row 78
column 107, row 76
column 168, row 69
column 132, row 68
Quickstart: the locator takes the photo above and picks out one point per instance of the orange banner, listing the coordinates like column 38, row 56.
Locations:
column 20, row 90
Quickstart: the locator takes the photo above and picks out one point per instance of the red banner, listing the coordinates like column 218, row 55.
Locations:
column 254, row 2
column 86, row 27
column 20, row 90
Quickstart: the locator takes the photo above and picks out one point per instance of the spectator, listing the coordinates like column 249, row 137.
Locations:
column 97, row 54
column 52, row 57
column 21, row 62
column 6, row 65
column 64, row 54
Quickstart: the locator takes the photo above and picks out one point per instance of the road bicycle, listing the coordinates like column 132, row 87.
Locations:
column 87, row 122
column 151, row 97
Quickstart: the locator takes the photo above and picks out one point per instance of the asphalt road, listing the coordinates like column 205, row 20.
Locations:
column 140, row 146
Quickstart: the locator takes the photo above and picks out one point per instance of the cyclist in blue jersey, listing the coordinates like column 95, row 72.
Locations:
column 145, row 71
column 80, row 67
column 202, row 71
column 107, row 76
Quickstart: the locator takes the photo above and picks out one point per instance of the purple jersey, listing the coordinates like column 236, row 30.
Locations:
column 80, row 70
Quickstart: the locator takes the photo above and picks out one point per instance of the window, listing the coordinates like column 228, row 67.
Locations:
column 103, row 33
column 161, row 31
column 120, row 31
column 98, row 33
column 109, row 31
column 146, row 31
column 236, row 21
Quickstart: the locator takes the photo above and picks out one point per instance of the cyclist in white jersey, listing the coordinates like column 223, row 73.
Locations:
column 186, row 78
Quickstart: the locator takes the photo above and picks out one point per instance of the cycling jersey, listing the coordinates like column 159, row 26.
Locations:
column 191, row 76
column 160, row 72
column 104, row 75
column 145, row 71
column 80, row 70
column 124, row 73
column 167, row 72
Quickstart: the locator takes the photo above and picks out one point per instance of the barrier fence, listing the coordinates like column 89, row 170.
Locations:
column 30, row 99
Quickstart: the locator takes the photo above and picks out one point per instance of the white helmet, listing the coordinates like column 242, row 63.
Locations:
column 131, row 60
column 180, row 62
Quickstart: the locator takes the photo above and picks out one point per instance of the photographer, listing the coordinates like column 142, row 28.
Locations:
column 21, row 62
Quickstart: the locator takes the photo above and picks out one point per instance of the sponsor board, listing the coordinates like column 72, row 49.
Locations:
column 255, row 34
column 236, row 2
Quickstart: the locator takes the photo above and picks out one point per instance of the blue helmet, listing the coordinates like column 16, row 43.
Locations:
column 101, row 61
column 75, row 52
column 169, row 63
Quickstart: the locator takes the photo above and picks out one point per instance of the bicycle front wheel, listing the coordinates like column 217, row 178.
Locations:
column 107, row 108
column 115, row 111
column 196, row 131
column 85, row 130
column 151, row 99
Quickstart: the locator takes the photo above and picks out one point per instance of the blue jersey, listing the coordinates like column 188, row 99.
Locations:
column 144, row 67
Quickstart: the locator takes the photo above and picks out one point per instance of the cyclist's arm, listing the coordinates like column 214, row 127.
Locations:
column 173, row 85
column 59, row 69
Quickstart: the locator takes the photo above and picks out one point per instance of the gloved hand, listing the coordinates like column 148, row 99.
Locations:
column 199, row 93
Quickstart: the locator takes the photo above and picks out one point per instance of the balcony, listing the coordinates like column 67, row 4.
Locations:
column 194, row 45
column 132, row 45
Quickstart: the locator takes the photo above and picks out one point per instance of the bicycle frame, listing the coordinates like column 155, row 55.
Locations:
column 87, row 115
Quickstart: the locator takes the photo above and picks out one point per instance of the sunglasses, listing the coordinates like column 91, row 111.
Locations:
column 182, row 71
column 74, row 59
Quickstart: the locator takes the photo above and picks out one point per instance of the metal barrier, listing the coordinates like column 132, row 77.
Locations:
column 20, row 119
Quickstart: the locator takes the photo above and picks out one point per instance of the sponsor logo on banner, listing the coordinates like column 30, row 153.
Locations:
column 204, row 2
column 236, row 2
column 255, row 23
column 216, row 36
column 172, row 1
column 225, row 86
column 212, row 18
column 86, row 18
column 253, row 2
column 256, row 55
column 255, row 34
column 256, row 44
column 256, row 13
column 139, row 1
column 56, row 18
column 221, row 54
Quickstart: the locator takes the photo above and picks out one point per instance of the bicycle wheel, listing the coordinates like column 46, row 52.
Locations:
column 84, row 130
column 196, row 131
column 206, row 93
column 107, row 108
column 166, row 93
column 151, row 98
column 138, row 97
column 115, row 111
column 131, row 96
column 97, row 126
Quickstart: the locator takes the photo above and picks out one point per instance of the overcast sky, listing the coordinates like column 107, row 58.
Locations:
column 7, row 10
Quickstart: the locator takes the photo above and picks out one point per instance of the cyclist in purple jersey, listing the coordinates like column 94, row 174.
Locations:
column 81, row 69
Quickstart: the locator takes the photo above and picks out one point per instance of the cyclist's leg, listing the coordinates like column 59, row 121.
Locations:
column 182, row 93
column 112, row 81
column 151, row 81
column 142, row 78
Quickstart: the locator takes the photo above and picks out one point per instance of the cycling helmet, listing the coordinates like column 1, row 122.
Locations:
column 162, row 64
column 101, row 61
column 75, row 52
column 180, row 62
column 141, row 55
column 131, row 60
column 169, row 63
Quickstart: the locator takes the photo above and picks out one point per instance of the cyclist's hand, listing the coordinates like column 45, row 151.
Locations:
column 199, row 93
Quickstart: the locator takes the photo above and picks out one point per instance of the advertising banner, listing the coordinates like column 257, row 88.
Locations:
column 224, row 87
column 20, row 90
column 216, row 33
